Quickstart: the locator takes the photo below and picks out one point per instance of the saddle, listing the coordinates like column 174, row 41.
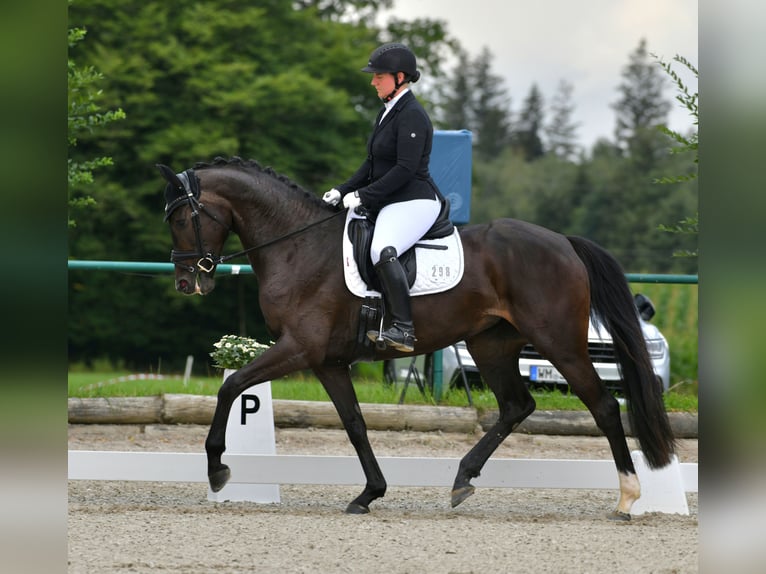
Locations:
column 360, row 232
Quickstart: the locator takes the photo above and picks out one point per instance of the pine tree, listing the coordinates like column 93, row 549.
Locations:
column 455, row 113
column 641, row 110
column 561, row 131
column 526, row 136
column 490, row 106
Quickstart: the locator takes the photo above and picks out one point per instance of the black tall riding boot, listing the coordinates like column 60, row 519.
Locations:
column 396, row 295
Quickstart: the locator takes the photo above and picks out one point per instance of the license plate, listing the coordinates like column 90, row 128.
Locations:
column 545, row 374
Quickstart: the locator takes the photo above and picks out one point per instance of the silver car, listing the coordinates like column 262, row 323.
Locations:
column 459, row 368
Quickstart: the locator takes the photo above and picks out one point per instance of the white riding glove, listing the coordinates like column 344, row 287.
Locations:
column 351, row 200
column 332, row 197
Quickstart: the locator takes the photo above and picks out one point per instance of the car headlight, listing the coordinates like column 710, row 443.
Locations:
column 656, row 348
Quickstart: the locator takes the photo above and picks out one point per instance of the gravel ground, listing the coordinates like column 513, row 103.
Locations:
column 172, row 527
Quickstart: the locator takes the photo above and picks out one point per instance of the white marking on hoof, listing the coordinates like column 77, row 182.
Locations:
column 630, row 491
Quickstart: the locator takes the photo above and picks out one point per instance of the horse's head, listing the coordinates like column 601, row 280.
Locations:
column 198, row 231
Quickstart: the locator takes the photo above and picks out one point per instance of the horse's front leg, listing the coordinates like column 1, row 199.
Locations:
column 280, row 359
column 337, row 383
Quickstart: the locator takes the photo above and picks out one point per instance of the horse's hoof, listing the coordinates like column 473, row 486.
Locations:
column 356, row 508
column 219, row 478
column 460, row 494
column 619, row 516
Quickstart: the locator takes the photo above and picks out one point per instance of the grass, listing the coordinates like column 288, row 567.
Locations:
column 306, row 388
column 677, row 318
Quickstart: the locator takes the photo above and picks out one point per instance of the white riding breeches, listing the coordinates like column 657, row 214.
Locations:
column 400, row 225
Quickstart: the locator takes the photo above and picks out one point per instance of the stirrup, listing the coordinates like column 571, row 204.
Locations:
column 400, row 339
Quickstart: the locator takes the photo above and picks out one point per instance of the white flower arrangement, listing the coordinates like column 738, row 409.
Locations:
column 233, row 352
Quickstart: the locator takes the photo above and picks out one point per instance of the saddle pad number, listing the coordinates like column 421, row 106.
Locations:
column 441, row 271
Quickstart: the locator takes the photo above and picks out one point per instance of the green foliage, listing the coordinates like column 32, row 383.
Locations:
column 641, row 108
column 526, row 135
column 561, row 130
column 678, row 319
column 475, row 99
column 84, row 117
column 610, row 196
column 686, row 144
column 275, row 81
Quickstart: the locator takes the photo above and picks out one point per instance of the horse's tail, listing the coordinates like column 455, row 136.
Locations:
column 611, row 304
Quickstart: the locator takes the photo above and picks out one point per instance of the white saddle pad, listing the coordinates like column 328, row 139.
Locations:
column 438, row 269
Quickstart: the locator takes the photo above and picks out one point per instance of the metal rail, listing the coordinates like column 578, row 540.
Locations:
column 232, row 269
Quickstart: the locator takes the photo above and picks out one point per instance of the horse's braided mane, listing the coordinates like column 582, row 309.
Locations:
column 237, row 161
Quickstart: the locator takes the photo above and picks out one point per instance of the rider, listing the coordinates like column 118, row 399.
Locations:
column 394, row 185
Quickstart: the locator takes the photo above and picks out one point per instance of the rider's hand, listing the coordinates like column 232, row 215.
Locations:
column 351, row 200
column 332, row 197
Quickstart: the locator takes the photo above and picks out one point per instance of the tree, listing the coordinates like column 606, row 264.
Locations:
column 84, row 116
column 489, row 108
column 624, row 207
column 641, row 109
column 275, row 81
column 689, row 225
column 358, row 10
column 526, row 135
column 561, row 131
column 474, row 98
column 455, row 110
column 431, row 43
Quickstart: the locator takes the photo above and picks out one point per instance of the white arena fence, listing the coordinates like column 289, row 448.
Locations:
column 662, row 490
column 254, row 463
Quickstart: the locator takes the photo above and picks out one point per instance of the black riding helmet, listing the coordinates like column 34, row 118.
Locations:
column 392, row 58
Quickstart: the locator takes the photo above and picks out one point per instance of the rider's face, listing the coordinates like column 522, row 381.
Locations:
column 384, row 83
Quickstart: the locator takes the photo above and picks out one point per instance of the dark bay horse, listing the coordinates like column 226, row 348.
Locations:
column 522, row 283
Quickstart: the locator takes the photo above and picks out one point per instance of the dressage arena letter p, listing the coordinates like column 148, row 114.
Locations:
column 249, row 430
column 248, row 399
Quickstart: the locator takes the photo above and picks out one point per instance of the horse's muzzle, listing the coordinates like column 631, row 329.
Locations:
column 198, row 284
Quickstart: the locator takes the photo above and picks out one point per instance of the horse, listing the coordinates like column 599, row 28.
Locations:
column 522, row 283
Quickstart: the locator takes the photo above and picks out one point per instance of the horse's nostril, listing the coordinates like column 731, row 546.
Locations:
column 183, row 284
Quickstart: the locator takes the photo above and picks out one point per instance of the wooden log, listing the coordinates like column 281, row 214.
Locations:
column 684, row 425
column 446, row 419
column 572, row 423
column 377, row 416
column 188, row 409
column 117, row 410
column 305, row 414
column 420, row 418
column 193, row 409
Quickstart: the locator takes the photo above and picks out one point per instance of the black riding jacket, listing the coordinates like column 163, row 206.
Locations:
column 398, row 154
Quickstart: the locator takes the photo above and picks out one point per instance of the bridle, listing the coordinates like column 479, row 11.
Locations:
column 189, row 194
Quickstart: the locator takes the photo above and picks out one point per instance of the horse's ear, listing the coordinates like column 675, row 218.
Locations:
column 174, row 190
column 169, row 175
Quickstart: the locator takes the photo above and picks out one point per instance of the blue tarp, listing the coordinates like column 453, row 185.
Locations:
column 451, row 169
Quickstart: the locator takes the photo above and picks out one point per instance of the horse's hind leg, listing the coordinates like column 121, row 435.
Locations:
column 496, row 355
column 586, row 384
column 337, row 383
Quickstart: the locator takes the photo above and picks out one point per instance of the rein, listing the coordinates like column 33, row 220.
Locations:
column 224, row 258
column 208, row 261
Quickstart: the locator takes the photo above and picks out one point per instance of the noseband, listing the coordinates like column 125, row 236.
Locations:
column 189, row 194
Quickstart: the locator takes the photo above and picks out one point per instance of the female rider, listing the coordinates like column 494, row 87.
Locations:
column 394, row 185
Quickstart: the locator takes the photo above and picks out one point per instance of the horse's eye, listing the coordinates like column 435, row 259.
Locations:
column 179, row 223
